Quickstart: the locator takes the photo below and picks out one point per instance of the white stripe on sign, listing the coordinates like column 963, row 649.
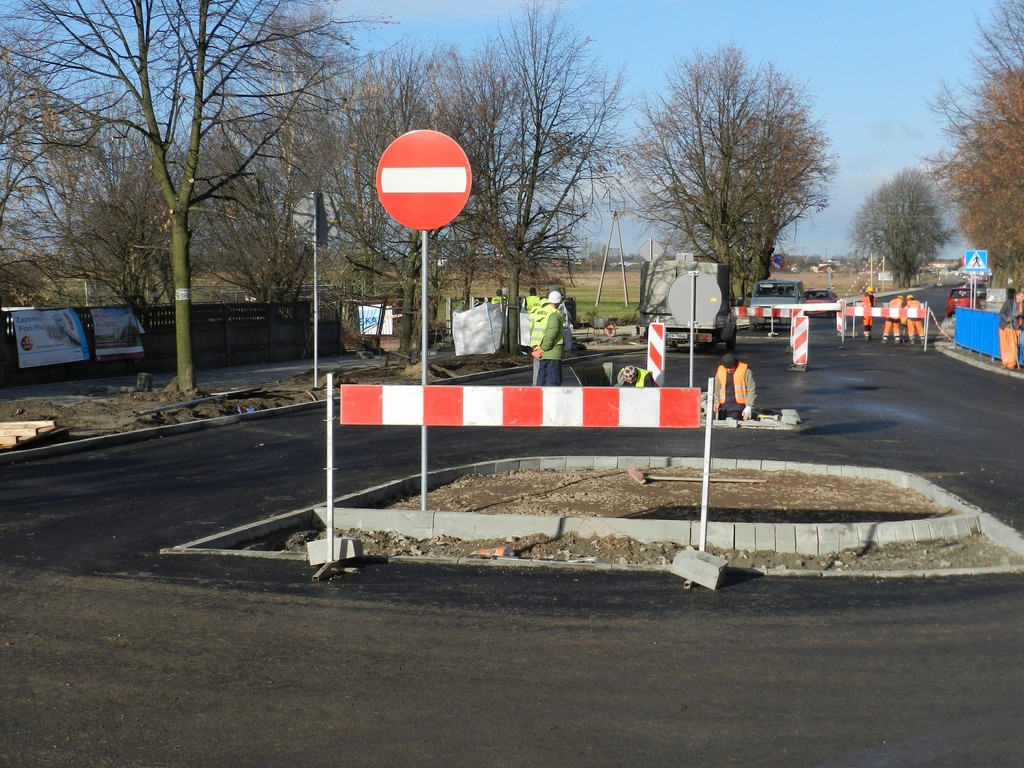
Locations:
column 422, row 180
column 398, row 408
column 482, row 406
column 560, row 408
column 635, row 410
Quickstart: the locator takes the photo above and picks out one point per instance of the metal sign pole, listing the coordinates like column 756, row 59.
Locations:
column 330, row 468
column 318, row 202
column 705, row 485
column 693, row 319
column 423, row 369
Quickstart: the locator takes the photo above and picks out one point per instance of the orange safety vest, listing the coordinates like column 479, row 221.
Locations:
column 739, row 383
column 868, row 302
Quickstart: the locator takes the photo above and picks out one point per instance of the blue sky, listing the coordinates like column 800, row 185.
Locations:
column 871, row 66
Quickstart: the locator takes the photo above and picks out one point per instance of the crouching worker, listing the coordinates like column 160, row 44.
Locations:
column 631, row 376
column 735, row 389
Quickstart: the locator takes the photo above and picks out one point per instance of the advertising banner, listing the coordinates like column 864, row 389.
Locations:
column 117, row 333
column 49, row 336
column 370, row 318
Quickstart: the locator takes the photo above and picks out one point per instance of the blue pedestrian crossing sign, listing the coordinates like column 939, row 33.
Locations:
column 976, row 262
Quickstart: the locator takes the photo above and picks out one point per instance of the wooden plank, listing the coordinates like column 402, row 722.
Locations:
column 25, row 432
column 25, row 424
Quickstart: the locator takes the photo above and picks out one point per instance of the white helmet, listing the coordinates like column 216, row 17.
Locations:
column 554, row 297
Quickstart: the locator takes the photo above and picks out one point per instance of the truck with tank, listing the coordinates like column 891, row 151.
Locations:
column 674, row 291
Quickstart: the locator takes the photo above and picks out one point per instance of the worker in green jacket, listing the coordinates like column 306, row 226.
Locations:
column 547, row 337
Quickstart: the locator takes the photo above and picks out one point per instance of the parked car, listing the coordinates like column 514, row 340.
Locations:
column 961, row 297
column 820, row 296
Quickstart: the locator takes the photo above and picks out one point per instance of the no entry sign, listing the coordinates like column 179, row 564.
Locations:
column 423, row 179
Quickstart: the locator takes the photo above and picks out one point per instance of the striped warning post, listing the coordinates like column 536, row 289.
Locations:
column 799, row 337
column 434, row 406
column 841, row 317
column 656, row 350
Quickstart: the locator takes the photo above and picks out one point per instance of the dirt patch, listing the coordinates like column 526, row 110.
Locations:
column 114, row 412
column 735, row 496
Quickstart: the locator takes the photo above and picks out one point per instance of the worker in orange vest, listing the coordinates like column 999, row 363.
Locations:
column 736, row 389
column 1011, row 320
column 867, row 301
column 892, row 320
column 915, row 328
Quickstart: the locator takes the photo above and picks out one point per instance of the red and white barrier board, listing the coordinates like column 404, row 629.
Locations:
column 799, row 338
column 913, row 313
column 444, row 406
column 656, row 351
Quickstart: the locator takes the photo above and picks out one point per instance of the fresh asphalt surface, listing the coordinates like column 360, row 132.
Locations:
column 112, row 654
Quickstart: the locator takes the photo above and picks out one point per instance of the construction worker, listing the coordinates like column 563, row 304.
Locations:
column 538, row 319
column 867, row 301
column 547, row 337
column 631, row 376
column 892, row 320
column 915, row 328
column 735, row 389
column 499, row 297
column 533, row 301
column 1011, row 319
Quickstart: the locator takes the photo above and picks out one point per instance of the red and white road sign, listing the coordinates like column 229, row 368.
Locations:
column 433, row 406
column 799, row 339
column 656, row 351
column 423, row 179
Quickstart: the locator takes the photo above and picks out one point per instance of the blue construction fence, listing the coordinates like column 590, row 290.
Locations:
column 978, row 331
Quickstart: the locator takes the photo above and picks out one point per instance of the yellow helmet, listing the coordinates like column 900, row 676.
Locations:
column 871, row 289
column 899, row 297
column 910, row 295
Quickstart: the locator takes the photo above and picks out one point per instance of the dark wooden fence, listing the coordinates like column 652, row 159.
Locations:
column 222, row 335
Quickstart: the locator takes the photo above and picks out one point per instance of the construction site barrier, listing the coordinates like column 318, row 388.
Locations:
column 656, row 351
column 387, row 404
column 799, row 336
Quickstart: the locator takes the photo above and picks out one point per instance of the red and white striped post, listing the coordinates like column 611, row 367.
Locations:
column 799, row 336
column 656, row 351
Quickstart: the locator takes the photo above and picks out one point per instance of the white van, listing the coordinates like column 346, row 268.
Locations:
column 772, row 293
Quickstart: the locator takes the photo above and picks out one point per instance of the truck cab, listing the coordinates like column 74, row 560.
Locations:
column 773, row 293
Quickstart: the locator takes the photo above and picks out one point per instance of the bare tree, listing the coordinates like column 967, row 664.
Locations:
column 388, row 96
column 729, row 158
column 24, row 106
column 106, row 219
column 904, row 221
column 184, row 73
column 985, row 125
column 536, row 114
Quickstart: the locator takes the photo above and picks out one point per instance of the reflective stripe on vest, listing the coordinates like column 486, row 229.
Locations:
column 539, row 323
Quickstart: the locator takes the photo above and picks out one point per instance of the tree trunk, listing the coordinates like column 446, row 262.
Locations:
column 410, row 282
column 512, row 309
column 182, row 301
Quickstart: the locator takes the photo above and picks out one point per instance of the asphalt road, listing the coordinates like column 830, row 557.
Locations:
column 111, row 654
